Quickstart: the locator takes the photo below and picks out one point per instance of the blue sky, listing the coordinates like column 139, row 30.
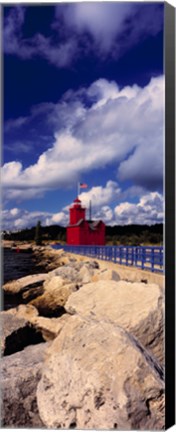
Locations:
column 83, row 102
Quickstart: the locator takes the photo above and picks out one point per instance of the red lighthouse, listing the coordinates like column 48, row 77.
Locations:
column 83, row 232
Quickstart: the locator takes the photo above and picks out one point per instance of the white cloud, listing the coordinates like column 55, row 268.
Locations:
column 121, row 127
column 60, row 218
column 60, row 54
column 17, row 219
column 106, row 214
column 112, row 27
column 14, row 211
column 101, row 20
column 11, row 172
column 149, row 210
column 100, row 196
column 22, row 193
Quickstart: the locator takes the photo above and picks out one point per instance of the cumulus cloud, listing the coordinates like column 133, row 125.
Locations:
column 105, row 28
column 106, row 214
column 101, row 199
column 149, row 210
column 16, row 219
column 100, row 195
column 22, row 193
column 130, row 136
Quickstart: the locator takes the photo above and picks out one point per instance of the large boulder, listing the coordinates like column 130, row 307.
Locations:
column 136, row 307
column 67, row 273
column 85, row 275
column 25, row 283
column 16, row 330
column 54, row 283
column 56, row 293
column 22, row 311
column 49, row 327
column 20, row 374
column 97, row 377
column 22, row 325
column 79, row 272
column 10, row 324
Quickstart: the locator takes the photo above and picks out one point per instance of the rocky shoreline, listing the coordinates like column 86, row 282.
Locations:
column 83, row 348
column 21, row 260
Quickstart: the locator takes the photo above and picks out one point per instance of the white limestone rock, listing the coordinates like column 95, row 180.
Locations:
column 97, row 377
column 20, row 373
column 136, row 307
column 20, row 285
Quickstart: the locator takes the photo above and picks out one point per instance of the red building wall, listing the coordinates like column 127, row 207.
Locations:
column 97, row 236
column 84, row 235
column 79, row 231
column 77, row 212
column 73, row 235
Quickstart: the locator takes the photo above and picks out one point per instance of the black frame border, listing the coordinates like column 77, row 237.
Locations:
column 170, row 214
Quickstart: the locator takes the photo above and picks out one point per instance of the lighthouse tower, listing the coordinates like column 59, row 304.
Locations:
column 77, row 212
column 83, row 232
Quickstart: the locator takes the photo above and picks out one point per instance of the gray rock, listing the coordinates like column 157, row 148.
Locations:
column 56, row 293
column 74, row 271
column 136, row 307
column 66, row 272
column 20, row 374
column 85, row 275
column 16, row 332
column 10, row 324
column 97, row 377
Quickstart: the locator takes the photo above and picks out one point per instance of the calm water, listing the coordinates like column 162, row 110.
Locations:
column 14, row 266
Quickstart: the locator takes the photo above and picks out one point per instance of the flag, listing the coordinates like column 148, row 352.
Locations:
column 83, row 185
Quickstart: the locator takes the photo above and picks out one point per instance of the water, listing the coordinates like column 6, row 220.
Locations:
column 14, row 266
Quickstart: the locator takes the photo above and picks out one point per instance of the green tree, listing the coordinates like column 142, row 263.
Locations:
column 38, row 234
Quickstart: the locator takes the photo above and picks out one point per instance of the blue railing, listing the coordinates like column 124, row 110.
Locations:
column 145, row 257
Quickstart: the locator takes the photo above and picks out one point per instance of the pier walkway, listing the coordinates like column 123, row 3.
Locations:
column 144, row 257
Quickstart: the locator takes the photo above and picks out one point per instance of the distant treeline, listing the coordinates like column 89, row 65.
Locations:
column 134, row 234
column 53, row 232
column 115, row 235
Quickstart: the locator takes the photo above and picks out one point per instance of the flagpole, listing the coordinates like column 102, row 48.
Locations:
column 78, row 185
column 90, row 210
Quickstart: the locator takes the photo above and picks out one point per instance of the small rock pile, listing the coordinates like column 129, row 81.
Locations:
column 94, row 358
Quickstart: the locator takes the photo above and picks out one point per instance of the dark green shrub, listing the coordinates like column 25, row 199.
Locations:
column 38, row 234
